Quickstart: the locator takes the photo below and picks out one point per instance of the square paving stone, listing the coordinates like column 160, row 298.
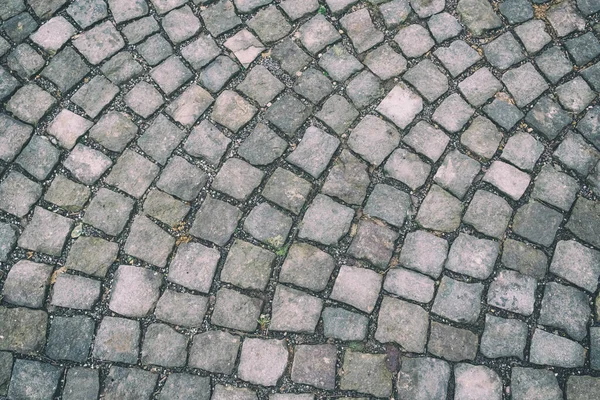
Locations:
column 148, row 242
column 314, row 152
column 248, row 266
column 24, row 61
column 39, row 157
column 160, row 139
column 124, row 10
column 22, row 330
column 13, row 134
column 26, row 284
column 99, row 43
column 73, row 291
column 358, row 287
column 427, row 78
column 576, row 263
column 155, row 49
column 135, row 291
column 122, row 382
column 325, row 221
column 33, row 380
column 86, row 164
column 503, row 112
column 288, row 114
column 488, row 213
column 364, row 89
column 67, row 194
column 8, row 239
column 480, row 87
column 171, row 74
column 307, row 266
column 555, row 188
column 237, row 179
column 295, row 311
column 338, row 6
column 194, row 266
column 214, row 351
column 216, row 221
column 109, row 211
column 452, row 344
column 287, row 190
column 533, row 35
column 504, row 51
column 117, row 340
column 132, row 173
column 245, row 46
column 457, row 57
column 444, row 26
column 143, row 99
column 414, row 40
column 67, row 127
column 92, row 255
column 313, row 85
column 263, row 361
column 315, row 365
column 182, row 179
column 427, row 140
column 403, row 323
column 440, row 211
column 30, row 103
column 424, row 252
column 339, row 63
column 180, row 386
column 554, row 64
column 595, row 347
column 549, row 349
column 513, row 292
column 140, row 29
column 165, row 208
column 261, row 85
column 269, row 24
column 566, row 308
column 482, row 137
column 389, row 204
column 216, row 75
column 18, row 194
column 472, row 256
column 423, row 378
column 348, row 179
column 46, row 232
column 385, row 62
column 70, row 338
column 317, row 33
column 373, row 242
column 453, row 113
column 366, row 373
column 121, row 68
column 575, row 153
column 525, row 259
column 537, row 223
column 503, row 337
column 478, row 16
column 296, row 9
column 180, row 24
column 268, row 224
column 164, row 346
column 344, row 325
column 182, row 309
column 575, row 95
column 87, row 12
column 236, row 310
column 476, row 381
column 114, row 131
column 591, row 75
column 220, row 17
column 516, row 11
column 548, row 117
column 363, row 33
column 232, row 111
column 524, row 83
column 522, row 150
column 9, row 84
column 507, row 179
column 583, row 48
column 401, row 106
column 81, row 383
column 456, row 173
column 587, row 126
column 200, row 52
column 534, row 384
column 458, row 301
column 19, row 27
column 207, row 142
column 290, row 57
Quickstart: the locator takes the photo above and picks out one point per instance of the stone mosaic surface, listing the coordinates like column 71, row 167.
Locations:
column 299, row 199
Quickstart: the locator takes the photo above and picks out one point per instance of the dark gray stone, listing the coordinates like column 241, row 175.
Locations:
column 313, row 85
column 180, row 386
column 453, row 344
column 423, row 378
column 363, row 33
column 364, row 89
column 348, row 180
column 216, row 221
column 262, row 147
column 583, row 48
column 291, row 57
column 427, row 140
column 555, row 188
column 317, row 33
column 453, row 113
column 315, row 365
column 537, row 223
column 8, row 238
column 357, row 366
column 269, row 24
column 554, row 64
column 114, row 131
column 533, row 35
column 30, row 103
column 140, row 29
column 385, row 62
column 155, row 49
column 129, row 382
column 344, row 325
column 164, row 346
column 22, row 330
column 121, row 68
column 261, row 85
column 534, row 384
column 513, row 292
column 503, row 337
column 214, row 351
column 524, row 83
column 70, row 338
column 67, row 194
column 18, row 194
column 458, row 301
column 66, row 69
column 171, row 74
column 427, row 78
column 554, row 350
column 216, row 75
column 34, row 380
column 86, row 12
column 478, row 16
column 180, row 24
column 81, row 384
column 165, row 208
column 525, row 259
column 503, row 112
column 132, row 173
column 522, row 150
column 576, row 263
column 19, row 27
column 424, row 252
column 25, row 61
column 480, row 87
column 389, row 204
column 516, row 11
column 566, row 308
column 488, row 213
column 443, row 26
column 182, row 179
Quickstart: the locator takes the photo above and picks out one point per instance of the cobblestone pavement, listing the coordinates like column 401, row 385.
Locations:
column 299, row 199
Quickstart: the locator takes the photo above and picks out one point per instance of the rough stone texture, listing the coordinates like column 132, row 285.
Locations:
column 366, row 373
column 262, row 361
column 358, row 287
column 403, row 323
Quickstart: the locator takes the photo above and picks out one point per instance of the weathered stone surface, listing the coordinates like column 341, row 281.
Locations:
column 136, row 291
